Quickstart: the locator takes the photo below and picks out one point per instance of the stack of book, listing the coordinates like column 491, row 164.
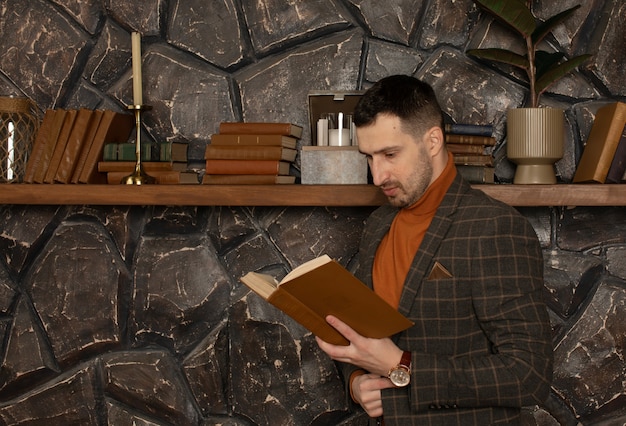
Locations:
column 251, row 153
column 69, row 144
column 167, row 164
column 471, row 146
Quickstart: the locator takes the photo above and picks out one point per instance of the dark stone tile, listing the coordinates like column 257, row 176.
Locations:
column 68, row 400
column 329, row 63
column 144, row 16
column 36, row 60
column 589, row 370
column 88, row 13
column 399, row 26
column 181, row 291
column 110, row 57
column 584, row 228
column 384, row 58
column 446, row 22
column 275, row 24
column 218, row 37
column 76, row 293
column 150, row 382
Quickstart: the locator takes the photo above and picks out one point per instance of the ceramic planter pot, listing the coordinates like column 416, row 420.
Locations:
column 535, row 139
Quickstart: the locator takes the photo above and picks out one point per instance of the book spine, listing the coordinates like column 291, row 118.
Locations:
column 473, row 160
column 129, row 166
column 246, row 140
column 266, row 128
column 41, row 139
column 61, row 143
column 223, row 152
column 477, row 174
column 247, row 179
column 469, row 129
column 470, row 139
column 459, row 148
column 242, row 167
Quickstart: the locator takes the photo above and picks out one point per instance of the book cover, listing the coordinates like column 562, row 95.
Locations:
column 96, row 118
column 74, row 143
column 469, row 129
column 41, row 139
column 248, row 179
column 601, row 145
column 260, row 128
column 470, row 139
column 59, row 149
column 249, row 167
column 249, row 152
column 48, row 148
column 114, row 127
column 163, row 177
column 322, row 287
column 272, row 140
column 618, row 165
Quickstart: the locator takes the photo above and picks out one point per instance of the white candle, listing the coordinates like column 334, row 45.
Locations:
column 339, row 137
column 137, row 92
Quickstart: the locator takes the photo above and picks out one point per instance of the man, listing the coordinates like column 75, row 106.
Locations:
column 467, row 269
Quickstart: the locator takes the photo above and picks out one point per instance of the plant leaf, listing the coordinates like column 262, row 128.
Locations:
column 500, row 55
column 514, row 13
column 558, row 71
column 544, row 28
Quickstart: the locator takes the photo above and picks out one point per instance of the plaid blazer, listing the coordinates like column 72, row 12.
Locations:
column 481, row 344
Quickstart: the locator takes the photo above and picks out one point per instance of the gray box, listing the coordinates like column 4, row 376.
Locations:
column 329, row 165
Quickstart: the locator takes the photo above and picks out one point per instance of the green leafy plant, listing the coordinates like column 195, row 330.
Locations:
column 542, row 68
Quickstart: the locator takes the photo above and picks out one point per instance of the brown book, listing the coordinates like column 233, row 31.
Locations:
column 272, row 140
column 602, row 143
column 321, row 287
column 48, row 149
column 94, row 123
column 114, row 127
column 41, row 139
column 75, row 141
column 617, row 170
column 473, row 159
column 460, row 148
column 247, row 167
column 129, row 166
column 477, row 174
column 470, row 139
column 163, row 177
column 59, row 148
column 249, row 152
column 247, row 179
column 260, row 128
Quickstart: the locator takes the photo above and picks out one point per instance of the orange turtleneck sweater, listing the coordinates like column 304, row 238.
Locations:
column 397, row 249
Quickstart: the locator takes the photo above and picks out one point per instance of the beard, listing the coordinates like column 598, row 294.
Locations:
column 415, row 186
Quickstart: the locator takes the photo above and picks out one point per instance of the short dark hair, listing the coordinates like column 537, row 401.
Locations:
column 410, row 99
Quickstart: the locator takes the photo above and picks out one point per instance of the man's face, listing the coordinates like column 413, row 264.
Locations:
column 400, row 163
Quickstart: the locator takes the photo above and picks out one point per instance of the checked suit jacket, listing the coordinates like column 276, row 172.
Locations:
column 481, row 344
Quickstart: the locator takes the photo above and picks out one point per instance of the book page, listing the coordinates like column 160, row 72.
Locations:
column 306, row 267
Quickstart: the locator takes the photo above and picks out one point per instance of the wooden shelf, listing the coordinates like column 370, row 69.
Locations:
column 289, row 195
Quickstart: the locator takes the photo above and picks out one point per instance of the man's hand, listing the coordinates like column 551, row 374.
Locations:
column 377, row 356
column 366, row 392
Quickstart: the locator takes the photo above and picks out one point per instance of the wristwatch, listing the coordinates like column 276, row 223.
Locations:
column 400, row 375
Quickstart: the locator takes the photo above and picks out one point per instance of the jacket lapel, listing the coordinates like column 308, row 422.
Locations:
column 423, row 260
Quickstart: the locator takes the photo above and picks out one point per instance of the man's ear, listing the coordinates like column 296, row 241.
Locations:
column 435, row 140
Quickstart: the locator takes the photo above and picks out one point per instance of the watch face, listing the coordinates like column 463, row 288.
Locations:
column 399, row 377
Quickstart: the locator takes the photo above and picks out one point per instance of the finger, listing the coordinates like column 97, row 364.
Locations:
column 343, row 328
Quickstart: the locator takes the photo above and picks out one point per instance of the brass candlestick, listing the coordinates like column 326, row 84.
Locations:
column 138, row 176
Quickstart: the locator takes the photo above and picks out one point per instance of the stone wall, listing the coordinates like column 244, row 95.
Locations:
column 134, row 315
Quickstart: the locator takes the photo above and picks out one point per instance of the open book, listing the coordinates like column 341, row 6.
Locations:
column 322, row 287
